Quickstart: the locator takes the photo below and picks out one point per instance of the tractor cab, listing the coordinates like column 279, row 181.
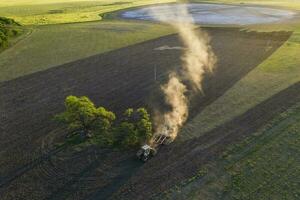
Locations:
column 146, row 152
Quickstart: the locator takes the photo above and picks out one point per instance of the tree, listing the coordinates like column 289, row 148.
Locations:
column 136, row 127
column 8, row 21
column 3, row 38
column 7, row 29
column 144, row 125
column 127, row 135
column 81, row 116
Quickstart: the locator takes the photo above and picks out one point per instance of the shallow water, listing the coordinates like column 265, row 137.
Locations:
column 215, row 13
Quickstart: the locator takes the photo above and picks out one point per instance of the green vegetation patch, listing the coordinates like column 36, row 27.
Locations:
column 8, row 22
column 89, row 124
column 51, row 45
column 38, row 12
column 268, row 165
column 8, row 30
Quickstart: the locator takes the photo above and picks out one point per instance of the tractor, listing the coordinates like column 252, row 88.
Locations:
column 147, row 151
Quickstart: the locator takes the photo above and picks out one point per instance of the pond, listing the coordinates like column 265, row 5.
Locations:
column 214, row 13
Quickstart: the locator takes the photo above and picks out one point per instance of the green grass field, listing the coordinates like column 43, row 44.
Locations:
column 265, row 166
column 269, row 166
column 33, row 12
column 51, row 45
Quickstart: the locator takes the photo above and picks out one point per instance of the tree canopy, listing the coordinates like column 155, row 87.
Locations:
column 81, row 116
column 7, row 30
column 136, row 127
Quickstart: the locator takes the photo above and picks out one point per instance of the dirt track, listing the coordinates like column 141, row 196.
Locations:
column 30, row 165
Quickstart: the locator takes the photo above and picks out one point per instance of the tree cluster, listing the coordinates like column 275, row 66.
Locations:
column 7, row 29
column 83, row 118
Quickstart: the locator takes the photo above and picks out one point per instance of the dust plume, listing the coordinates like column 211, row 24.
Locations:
column 174, row 91
column 197, row 59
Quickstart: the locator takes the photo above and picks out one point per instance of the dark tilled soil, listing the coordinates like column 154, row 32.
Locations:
column 178, row 162
column 30, row 165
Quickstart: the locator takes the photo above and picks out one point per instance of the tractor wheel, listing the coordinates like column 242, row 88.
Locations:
column 145, row 158
column 139, row 153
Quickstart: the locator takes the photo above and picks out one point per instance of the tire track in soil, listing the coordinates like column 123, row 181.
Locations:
column 178, row 162
column 6, row 180
column 70, row 186
column 128, row 167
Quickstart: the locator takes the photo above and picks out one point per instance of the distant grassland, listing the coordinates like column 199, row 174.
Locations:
column 37, row 12
column 52, row 45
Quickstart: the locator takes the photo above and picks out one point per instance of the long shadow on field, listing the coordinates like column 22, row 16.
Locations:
column 70, row 186
column 128, row 168
column 179, row 162
column 87, row 179
column 117, row 80
column 6, row 180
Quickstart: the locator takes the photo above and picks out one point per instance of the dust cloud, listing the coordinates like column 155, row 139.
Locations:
column 197, row 60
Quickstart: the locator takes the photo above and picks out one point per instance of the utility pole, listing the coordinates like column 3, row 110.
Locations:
column 155, row 73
